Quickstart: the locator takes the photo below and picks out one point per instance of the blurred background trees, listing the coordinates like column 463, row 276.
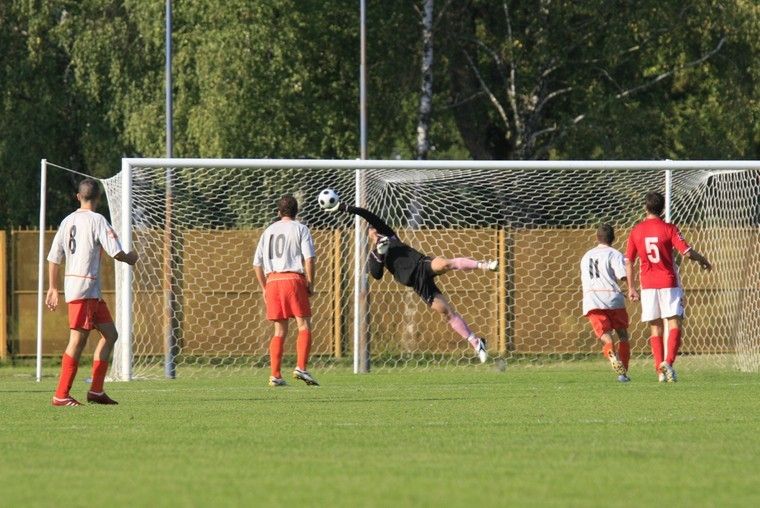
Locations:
column 82, row 83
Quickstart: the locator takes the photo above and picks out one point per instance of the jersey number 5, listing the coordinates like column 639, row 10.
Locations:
column 653, row 251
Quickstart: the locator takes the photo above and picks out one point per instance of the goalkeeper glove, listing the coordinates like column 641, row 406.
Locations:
column 382, row 245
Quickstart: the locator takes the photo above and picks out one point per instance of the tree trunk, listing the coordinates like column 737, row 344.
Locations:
column 426, row 96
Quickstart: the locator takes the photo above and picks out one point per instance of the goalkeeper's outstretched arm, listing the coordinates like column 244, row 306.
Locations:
column 373, row 220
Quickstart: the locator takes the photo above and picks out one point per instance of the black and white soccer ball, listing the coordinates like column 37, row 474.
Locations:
column 329, row 200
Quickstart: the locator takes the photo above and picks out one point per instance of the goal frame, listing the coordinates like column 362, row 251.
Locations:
column 122, row 360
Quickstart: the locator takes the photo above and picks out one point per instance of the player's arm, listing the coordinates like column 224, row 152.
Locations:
column 111, row 244
column 51, row 299
column 258, row 262
column 376, row 265
column 309, row 258
column 310, row 268
column 377, row 257
column 687, row 251
column 619, row 268
column 630, row 261
column 260, row 276
column 632, row 293
column 699, row 258
column 56, row 256
column 372, row 219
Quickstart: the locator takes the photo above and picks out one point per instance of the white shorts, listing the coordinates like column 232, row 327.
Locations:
column 661, row 303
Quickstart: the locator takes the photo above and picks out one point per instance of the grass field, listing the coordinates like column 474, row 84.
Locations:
column 560, row 436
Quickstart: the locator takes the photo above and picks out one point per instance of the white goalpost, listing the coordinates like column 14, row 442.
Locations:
column 191, row 305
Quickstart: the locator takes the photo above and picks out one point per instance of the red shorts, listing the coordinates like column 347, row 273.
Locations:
column 87, row 314
column 287, row 296
column 606, row 320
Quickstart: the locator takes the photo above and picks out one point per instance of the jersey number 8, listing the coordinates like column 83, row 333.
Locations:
column 72, row 239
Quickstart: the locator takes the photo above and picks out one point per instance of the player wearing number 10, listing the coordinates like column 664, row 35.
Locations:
column 284, row 265
column 652, row 241
column 79, row 242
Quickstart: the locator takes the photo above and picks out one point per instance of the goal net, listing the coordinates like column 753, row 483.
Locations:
column 195, row 306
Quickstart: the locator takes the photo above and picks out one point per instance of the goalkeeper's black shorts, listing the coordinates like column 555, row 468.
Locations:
column 424, row 281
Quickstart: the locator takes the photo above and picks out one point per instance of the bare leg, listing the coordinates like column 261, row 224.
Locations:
column 77, row 342
column 281, row 328
column 108, row 337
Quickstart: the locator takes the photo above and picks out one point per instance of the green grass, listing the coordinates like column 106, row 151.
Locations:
column 562, row 436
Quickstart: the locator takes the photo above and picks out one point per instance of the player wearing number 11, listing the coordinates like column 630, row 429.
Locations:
column 652, row 241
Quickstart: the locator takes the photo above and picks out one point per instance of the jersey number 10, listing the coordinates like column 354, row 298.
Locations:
column 276, row 246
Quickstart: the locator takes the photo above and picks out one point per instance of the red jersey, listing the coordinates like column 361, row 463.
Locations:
column 653, row 241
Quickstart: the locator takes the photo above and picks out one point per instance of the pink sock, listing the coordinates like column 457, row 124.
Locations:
column 458, row 325
column 463, row 264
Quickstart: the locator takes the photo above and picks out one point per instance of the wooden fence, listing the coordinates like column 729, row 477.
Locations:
column 531, row 305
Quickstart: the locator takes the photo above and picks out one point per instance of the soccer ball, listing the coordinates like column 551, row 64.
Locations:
column 328, row 199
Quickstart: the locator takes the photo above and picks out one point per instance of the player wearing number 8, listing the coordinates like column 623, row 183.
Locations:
column 652, row 241
column 284, row 265
column 79, row 242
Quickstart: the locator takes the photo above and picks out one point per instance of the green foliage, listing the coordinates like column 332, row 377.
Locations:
column 82, row 83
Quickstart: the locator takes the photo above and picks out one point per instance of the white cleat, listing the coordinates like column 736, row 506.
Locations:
column 277, row 381
column 491, row 265
column 661, row 377
column 304, row 376
column 480, row 350
column 667, row 370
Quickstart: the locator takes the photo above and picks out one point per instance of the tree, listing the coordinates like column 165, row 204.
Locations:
column 527, row 78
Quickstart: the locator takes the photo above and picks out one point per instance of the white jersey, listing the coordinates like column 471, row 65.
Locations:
column 78, row 242
column 601, row 268
column 283, row 247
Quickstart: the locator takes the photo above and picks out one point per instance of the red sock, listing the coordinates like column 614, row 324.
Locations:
column 99, row 369
column 674, row 342
column 303, row 346
column 69, row 368
column 624, row 353
column 607, row 350
column 275, row 355
column 657, row 351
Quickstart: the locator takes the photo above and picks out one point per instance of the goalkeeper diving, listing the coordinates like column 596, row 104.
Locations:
column 413, row 269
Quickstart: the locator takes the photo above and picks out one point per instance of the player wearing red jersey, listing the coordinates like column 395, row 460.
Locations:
column 603, row 301
column 652, row 241
column 285, row 264
column 80, row 239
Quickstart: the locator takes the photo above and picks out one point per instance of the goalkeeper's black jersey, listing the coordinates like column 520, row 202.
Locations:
column 401, row 260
